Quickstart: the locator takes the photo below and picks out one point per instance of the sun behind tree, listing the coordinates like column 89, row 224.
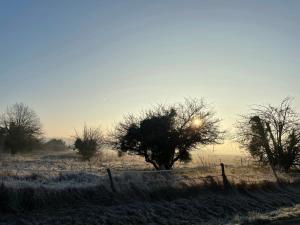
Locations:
column 167, row 134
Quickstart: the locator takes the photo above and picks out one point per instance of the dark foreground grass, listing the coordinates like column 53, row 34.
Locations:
column 18, row 200
column 185, row 205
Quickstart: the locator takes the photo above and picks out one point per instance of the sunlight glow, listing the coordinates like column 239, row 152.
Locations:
column 197, row 123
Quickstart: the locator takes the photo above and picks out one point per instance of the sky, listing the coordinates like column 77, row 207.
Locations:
column 93, row 62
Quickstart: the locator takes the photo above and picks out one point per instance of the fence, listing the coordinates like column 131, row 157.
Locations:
column 147, row 178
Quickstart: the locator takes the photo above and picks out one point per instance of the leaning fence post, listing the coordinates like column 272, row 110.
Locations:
column 223, row 169
column 111, row 180
column 226, row 183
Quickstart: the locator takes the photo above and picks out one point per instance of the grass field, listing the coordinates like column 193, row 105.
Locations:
column 58, row 188
column 60, row 168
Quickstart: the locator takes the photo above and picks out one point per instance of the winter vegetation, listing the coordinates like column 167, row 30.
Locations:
column 167, row 134
column 142, row 198
column 272, row 135
column 165, row 112
column 89, row 143
column 20, row 129
column 156, row 161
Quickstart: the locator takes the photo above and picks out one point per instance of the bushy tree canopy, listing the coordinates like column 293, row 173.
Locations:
column 271, row 134
column 166, row 134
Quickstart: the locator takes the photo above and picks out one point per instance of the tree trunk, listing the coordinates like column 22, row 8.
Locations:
column 162, row 167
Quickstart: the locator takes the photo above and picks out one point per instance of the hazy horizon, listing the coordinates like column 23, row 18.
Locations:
column 77, row 62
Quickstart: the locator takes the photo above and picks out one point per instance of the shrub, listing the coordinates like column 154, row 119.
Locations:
column 89, row 143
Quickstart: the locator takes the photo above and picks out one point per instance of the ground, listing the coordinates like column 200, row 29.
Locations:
column 276, row 207
column 43, row 190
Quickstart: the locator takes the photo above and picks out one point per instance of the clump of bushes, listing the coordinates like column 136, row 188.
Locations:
column 55, row 145
column 89, row 142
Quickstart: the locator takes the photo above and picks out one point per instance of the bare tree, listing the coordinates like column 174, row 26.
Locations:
column 166, row 134
column 20, row 128
column 89, row 142
column 271, row 134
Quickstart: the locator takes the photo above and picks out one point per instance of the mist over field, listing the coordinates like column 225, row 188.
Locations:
column 160, row 112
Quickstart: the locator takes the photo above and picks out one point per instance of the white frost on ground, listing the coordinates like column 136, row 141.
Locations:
column 58, row 171
column 283, row 215
column 46, row 166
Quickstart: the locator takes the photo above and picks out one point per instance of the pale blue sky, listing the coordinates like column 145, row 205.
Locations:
column 94, row 61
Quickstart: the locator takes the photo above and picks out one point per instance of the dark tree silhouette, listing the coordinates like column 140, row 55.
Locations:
column 272, row 135
column 168, row 133
column 89, row 143
column 20, row 128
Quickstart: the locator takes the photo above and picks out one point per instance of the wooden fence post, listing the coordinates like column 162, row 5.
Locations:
column 111, row 180
column 223, row 169
column 226, row 183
